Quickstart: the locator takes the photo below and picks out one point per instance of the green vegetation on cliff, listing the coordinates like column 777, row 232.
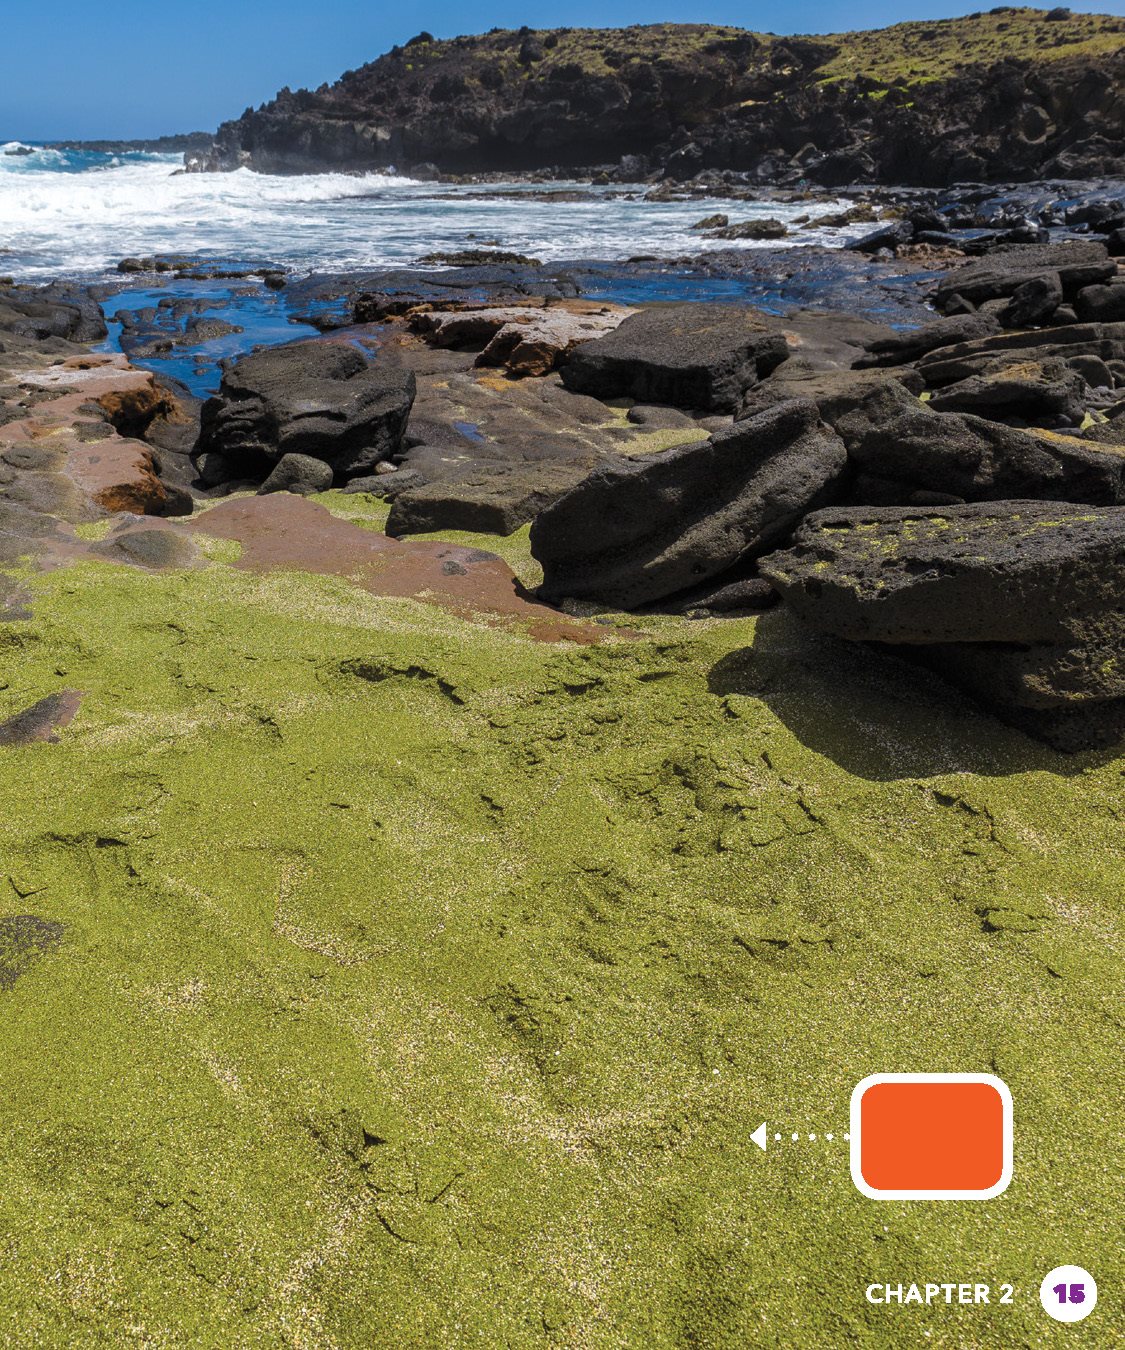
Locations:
column 421, row 984
column 1014, row 93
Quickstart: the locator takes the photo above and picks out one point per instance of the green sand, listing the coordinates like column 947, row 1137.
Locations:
column 421, row 985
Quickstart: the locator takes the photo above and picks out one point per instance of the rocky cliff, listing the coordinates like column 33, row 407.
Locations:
column 1009, row 95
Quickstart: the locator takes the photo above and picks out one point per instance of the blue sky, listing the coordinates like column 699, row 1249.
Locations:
column 123, row 68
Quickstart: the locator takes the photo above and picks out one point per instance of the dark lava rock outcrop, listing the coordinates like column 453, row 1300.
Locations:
column 638, row 530
column 688, row 356
column 892, row 437
column 1012, row 94
column 1019, row 602
column 318, row 399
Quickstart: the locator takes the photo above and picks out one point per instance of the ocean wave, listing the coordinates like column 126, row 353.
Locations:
column 63, row 221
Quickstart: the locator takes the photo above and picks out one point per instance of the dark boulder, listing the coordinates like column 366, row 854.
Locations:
column 1011, row 571
column 752, row 229
column 637, row 530
column 688, row 356
column 1101, row 304
column 835, row 392
column 486, row 498
column 887, row 237
column 1017, row 602
column 300, row 474
column 1008, row 268
column 322, row 399
column 1028, row 390
column 1034, row 302
column 894, row 436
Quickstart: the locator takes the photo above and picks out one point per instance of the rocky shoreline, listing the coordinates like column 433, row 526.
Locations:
column 662, row 455
column 1014, row 93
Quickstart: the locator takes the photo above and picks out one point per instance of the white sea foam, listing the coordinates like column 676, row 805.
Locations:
column 65, row 212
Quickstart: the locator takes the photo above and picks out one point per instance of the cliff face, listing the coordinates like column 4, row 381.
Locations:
column 1014, row 94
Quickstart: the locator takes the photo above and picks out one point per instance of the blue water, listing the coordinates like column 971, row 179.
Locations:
column 77, row 213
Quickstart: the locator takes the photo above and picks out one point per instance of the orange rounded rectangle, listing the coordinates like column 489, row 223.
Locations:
column 931, row 1136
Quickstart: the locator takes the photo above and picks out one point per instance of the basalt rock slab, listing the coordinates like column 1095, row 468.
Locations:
column 835, row 392
column 689, row 356
column 1028, row 390
column 1011, row 571
column 1018, row 602
column 1101, row 341
column 489, row 498
column 1101, row 304
column 909, row 346
column 637, row 530
column 1005, row 270
column 895, row 437
column 318, row 398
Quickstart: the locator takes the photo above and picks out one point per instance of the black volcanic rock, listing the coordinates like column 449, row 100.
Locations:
column 1018, row 602
column 1011, row 571
column 637, row 530
column 1073, row 265
column 894, row 437
column 972, row 99
column 321, row 399
column 690, row 356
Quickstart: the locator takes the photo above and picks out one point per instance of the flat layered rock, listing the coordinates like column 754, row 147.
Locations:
column 321, row 399
column 894, row 436
column 1012, row 571
column 637, row 530
column 524, row 340
column 904, row 347
column 690, row 356
column 1007, row 269
column 1017, row 602
column 1024, row 389
column 493, row 498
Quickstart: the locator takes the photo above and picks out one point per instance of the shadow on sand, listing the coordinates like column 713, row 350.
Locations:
column 878, row 716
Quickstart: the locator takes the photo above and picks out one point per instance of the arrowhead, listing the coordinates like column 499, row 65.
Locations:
column 759, row 1136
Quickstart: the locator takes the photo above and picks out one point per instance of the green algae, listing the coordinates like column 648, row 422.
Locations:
column 421, row 984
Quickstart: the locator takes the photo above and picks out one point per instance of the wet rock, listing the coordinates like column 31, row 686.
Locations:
column 637, row 530
column 753, row 229
column 201, row 329
column 688, row 356
column 1007, row 269
column 886, row 237
column 319, row 398
column 300, row 474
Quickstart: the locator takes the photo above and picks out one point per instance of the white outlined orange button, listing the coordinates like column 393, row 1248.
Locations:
column 931, row 1136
